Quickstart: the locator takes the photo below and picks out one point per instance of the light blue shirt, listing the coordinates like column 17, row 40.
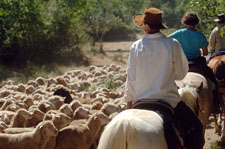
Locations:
column 155, row 62
column 191, row 42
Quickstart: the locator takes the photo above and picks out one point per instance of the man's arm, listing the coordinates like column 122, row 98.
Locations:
column 180, row 62
column 131, row 77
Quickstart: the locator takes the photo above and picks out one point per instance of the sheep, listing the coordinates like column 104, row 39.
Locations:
column 5, row 92
column 6, row 104
column 21, row 88
column 109, row 108
column 66, row 109
column 75, row 104
column 40, row 81
column 45, row 106
column 32, row 83
column 29, row 89
column 36, row 139
column 5, row 117
column 63, row 92
column 3, row 126
column 28, row 101
column 81, row 113
column 60, row 120
column 2, row 101
column 12, row 107
column 57, row 101
column 82, row 136
column 36, row 117
column 17, row 130
column 96, row 105
column 20, row 118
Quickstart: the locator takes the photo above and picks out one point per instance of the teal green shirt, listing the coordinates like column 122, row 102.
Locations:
column 191, row 42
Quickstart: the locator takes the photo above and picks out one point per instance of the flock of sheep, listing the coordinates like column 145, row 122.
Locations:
column 68, row 111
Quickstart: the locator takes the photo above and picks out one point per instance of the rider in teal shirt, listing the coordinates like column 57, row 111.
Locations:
column 191, row 42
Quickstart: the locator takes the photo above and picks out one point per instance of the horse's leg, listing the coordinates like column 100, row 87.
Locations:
column 223, row 109
column 217, row 127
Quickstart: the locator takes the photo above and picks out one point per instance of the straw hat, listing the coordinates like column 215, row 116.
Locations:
column 221, row 18
column 152, row 18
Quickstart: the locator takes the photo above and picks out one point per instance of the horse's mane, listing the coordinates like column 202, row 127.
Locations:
column 189, row 95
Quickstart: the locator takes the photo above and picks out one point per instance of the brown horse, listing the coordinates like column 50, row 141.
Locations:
column 205, row 96
column 217, row 64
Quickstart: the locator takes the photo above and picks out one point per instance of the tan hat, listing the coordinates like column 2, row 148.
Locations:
column 221, row 18
column 152, row 18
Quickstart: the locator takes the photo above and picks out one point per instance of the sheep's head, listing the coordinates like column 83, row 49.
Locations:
column 66, row 109
column 47, row 128
column 109, row 108
column 104, row 119
column 24, row 113
column 81, row 112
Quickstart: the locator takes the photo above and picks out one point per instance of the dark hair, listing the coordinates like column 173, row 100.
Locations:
column 190, row 18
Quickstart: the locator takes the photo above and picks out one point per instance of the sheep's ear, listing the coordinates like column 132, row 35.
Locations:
column 199, row 88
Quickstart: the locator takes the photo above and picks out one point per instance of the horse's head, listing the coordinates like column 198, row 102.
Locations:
column 190, row 96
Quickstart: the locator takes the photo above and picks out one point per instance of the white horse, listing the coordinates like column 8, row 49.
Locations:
column 140, row 129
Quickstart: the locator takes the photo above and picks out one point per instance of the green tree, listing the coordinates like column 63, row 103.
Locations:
column 207, row 10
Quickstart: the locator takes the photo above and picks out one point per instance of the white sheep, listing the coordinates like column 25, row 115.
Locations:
column 36, row 117
column 36, row 139
column 45, row 106
column 75, row 104
column 57, row 101
column 40, row 81
column 21, row 88
column 82, row 136
column 20, row 118
column 6, row 103
column 66, row 109
column 12, row 107
column 96, row 105
column 3, row 126
column 81, row 113
column 59, row 119
column 17, row 130
column 28, row 101
column 109, row 108
column 29, row 89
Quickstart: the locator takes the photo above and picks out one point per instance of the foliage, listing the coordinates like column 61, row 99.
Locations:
column 41, row 32
column 35, row 31
column 217, row 145
column 25, row 74
column 207, row 10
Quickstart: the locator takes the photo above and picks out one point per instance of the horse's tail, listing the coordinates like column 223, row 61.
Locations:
column 117, row 133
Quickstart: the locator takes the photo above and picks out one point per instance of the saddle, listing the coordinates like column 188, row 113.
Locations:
column 172, row 129
column 197, row 65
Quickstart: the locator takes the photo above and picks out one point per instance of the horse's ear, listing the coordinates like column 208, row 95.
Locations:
column 199, row 88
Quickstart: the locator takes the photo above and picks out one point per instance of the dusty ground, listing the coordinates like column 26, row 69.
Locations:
column 117, row 53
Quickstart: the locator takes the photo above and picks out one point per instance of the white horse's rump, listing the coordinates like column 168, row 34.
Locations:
column 141, row 129
column 134, row 129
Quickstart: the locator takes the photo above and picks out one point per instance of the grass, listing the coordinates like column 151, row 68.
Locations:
column 31, row 72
